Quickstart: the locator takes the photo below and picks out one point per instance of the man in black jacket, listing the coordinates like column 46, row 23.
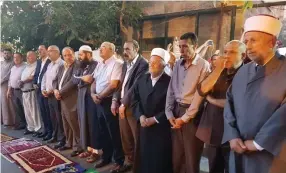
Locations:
column 134, row 66
column 41, row 69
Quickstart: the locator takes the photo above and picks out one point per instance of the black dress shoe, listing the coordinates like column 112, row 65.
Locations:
column 101, row 163
column 42, row 135
column 27, row 132
column 47, row 137
column 76, row 153
column 58, row 145
column 36, row 134
column 52, row 140
column 63, row 148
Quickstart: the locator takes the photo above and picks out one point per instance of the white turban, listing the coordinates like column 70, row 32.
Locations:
column 263, row 23
column 161, row 53
column 85, row 48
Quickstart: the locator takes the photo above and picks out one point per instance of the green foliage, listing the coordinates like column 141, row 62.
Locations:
column 28, row 24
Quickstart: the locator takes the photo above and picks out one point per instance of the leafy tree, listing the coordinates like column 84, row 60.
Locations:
column 28, row 24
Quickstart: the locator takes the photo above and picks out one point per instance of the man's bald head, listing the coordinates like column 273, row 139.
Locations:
column 31, row 57
column 234, row 52
column 240, row 45
column 54, row 52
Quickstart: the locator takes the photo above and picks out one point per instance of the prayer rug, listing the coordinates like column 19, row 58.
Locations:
column 91, row 171
column 5, row 138
column 10, row 147
column 73, row 168
column 40, row 159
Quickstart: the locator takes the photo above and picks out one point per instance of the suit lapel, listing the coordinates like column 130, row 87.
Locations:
column 158, row 84
column 133, row 68
column 266, row 70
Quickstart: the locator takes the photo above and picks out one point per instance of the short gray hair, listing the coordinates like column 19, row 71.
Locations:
column 241, row 45
column 55, row 47
column 67, row 48
column 111, row 46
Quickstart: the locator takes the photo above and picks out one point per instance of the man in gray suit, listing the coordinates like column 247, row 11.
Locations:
column 255, row 110
column 134, row 66
column 66, row 92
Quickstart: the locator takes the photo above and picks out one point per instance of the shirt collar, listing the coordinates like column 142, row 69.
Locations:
column 156, row 78
column 45, row 59
column 32, row 63
column 133, row 61
column 57, row 61
column 109, row 60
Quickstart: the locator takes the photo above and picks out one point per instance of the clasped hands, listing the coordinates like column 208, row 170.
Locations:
column 147, row 122
column 176, row 123
column 240, row 147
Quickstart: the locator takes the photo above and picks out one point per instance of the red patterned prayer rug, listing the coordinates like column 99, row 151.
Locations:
column 10, row 147
column 5, row 138
column 40, row 159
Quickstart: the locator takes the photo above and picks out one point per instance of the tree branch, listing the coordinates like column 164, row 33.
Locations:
column 122, row 27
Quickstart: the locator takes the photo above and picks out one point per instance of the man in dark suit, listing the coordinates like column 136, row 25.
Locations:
column 134, row 66
column 41, row 69
column 66, row 92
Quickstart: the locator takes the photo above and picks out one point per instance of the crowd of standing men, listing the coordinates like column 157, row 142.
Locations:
column 134, row 114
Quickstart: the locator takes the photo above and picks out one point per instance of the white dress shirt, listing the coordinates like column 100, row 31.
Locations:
column 42, row 66
column 107, row 71
column 154, row 81
column 129, row 68
column 50, row 75
column 28, row 72
column 15, row 75
column 62, row 79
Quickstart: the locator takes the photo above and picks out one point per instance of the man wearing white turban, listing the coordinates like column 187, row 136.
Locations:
column 255, row 109
column 148, row 102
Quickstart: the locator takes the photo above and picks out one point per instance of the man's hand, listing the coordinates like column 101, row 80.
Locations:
column 143, row 121
column 50, row 92
column 20, row 83
column 179, row 123
column 220, row 63
column 173, row 123
column 122, row 111
column 87, row 78
column 96, row 98
column 114, row 107
column 250, row 146
column 237, row 145
column 57, row 94
column 9, row 94
column 45, row 93
column 150, row 121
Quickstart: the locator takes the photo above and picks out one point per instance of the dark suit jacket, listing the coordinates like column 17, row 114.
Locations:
column 139, row 68
column 38, row 70
column 68, row 90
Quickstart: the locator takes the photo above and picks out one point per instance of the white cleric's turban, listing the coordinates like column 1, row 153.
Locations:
column 161, row 53
column 263, row 23
column 85, row 48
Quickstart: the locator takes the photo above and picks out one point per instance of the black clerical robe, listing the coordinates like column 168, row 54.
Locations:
column 154, row 150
